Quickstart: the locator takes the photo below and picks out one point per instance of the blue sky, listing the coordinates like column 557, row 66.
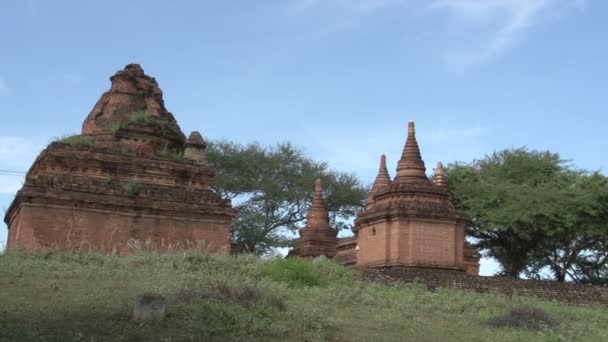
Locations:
column 339, row 78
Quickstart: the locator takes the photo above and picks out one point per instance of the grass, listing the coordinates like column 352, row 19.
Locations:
column 143, row 117
column 89, row 297
column 138, row 118
column 114, row 127
column 77, row 140
column 132, row 189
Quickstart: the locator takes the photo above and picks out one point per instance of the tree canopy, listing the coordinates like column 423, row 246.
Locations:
column 272, row 188
column 531, row 210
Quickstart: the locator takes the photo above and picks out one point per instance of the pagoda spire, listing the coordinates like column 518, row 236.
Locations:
column 411, row 165
column 317, row 238
column 318, row 215
column 383, row 178
column 440, row 178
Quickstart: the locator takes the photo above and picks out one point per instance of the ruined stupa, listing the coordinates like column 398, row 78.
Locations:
column 130, row 176
column 409, row 221
column 317, row 238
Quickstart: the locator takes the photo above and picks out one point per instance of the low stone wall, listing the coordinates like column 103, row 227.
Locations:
column 571, row 293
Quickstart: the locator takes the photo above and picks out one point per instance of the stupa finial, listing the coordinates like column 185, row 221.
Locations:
column 440, row 178
column 411, row 165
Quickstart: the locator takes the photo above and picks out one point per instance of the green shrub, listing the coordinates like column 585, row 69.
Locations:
column 113, row 127
column 333, row 273
column 143, row 117
column 132, row 189
column 294, row 271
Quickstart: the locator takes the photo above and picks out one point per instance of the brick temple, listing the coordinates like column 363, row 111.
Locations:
column 130, row 176
column 408, row 221
column 317, row 237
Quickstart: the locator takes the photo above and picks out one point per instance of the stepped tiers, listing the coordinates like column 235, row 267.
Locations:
column 317, row 238
column 131, row 175
column 410, row 221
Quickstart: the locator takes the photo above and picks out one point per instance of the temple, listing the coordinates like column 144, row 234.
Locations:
column 317, row 237
column 408, row 221
column 130, row 176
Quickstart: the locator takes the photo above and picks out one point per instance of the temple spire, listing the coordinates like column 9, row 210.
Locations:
column 440, row 178
column 317, row 200
column 383, row 178
column 317, row 238
column 411, row 165
column 318, row 215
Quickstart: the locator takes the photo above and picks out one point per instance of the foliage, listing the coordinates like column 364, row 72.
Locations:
column 138, row 118
column 293, row 271
column 578, row 248
column 58, row 296
column 114, row 127
column 530, row 210
column 132, row 189
column 77, row 140
column 144, row 117
column 272, row 190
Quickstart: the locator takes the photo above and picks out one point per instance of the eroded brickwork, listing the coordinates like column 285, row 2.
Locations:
column 131, row 175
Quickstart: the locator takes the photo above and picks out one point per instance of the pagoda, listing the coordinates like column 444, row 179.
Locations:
column 317, row 238
column 410, row 220
column 130, row 176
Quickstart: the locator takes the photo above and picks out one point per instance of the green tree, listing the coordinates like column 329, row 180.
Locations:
column 514, row 198
column 272, row 187
column 532, row 212
column 578, row 247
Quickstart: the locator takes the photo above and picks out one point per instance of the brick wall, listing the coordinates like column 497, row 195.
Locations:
column 571, row 293
column 45, row 226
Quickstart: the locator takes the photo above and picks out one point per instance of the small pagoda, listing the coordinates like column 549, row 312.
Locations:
column 317, row 238
column 131, row 176
column 410, row 220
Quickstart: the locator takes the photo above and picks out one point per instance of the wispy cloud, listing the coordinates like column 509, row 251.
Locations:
column 514, row 18
column 485, row 29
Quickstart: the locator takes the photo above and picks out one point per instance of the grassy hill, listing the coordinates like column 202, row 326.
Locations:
column 89, row 297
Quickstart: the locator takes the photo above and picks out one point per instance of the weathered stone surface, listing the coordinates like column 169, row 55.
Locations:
column 317, row 238
column 409, row 221
column 105, row 189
